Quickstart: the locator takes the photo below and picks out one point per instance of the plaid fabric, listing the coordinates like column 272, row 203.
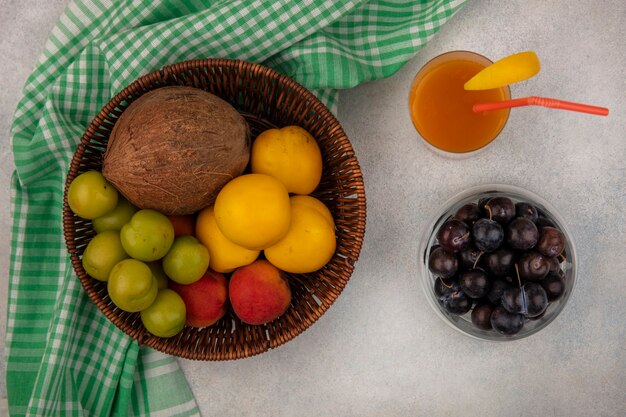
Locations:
column 64, row 357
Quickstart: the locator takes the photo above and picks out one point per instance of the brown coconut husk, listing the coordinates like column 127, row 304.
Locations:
column 174, row 148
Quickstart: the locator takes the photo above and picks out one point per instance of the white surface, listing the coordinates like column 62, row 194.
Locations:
column 380, row 350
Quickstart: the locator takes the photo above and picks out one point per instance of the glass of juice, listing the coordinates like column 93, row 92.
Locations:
column 441, row 109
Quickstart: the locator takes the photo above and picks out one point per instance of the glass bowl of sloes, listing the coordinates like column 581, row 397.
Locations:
column 498, row 263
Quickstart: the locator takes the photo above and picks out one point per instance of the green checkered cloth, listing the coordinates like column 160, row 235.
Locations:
column 63, row 356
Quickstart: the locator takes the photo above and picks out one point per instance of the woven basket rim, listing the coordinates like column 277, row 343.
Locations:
column 77, row 232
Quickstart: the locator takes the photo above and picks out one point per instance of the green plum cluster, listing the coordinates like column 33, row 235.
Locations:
column 135, row 252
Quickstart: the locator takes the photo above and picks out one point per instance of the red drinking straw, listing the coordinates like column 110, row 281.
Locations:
column 541, row 101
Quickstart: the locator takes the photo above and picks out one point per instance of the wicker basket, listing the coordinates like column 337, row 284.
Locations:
column 266, row 99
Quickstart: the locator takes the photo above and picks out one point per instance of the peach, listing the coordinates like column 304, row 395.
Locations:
column 206, row 300
column 259, row 292
column 183, row 224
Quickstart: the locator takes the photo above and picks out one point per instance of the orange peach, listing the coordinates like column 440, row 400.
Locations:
column 183, row 224
column 259, row 292
column 206, row 300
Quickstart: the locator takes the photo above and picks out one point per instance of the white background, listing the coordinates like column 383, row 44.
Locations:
column 380, row 350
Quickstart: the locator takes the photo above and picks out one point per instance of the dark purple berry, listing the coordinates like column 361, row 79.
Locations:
column 522, row 233
column 536, row 299
column 526, row 210
column 500, row 262
column 551, row 241
column 506, row 323
column 482, row 202
column 498, row 287
column 533, row 266
column 487, row 234
column 469, row 257
column 510, row 279
column 443, row 263
column 454, row 235
column 554, row 286
column 432, row 248
column 474, row 283
column 468, row 213
column 455, row 301
column 542, row 222
column 481, row 316
column 442, row 285
column 514, row 300
column 500, row 209
column 555, row 266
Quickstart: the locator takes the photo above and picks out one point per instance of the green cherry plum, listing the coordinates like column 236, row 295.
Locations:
column 186, row 261
column 148, row 236
column 166, row 316
column 90, row 195
column 116, row 218
column 131, row 285
column 102, row 253
column 159, row 274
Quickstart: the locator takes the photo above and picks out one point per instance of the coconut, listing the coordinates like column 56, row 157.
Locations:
column 174, row 148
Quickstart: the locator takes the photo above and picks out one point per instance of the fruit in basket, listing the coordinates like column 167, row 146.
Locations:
column 259, row 292
column 116, row 218
column 90, row 195
column 102, row 253
column 309, row 243
column 253, row 211
column 186, row 261
column 131, row 285
column 148, row 236
column 165, row 317
column 224, row 255
column 291, row 155
column 314, row 203
column 157, row 271
column 183, row 224
column 206, row 300
column 174, row 148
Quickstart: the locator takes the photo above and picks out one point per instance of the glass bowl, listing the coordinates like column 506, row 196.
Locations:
column 463, row 322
